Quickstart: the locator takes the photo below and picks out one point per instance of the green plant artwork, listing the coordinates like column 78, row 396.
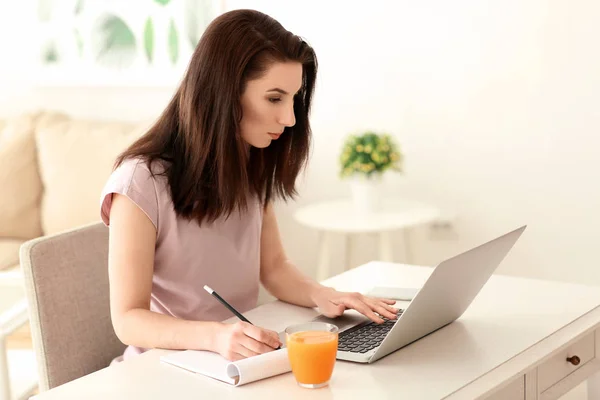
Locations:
column 79, row 41
column 149, row 39
column 127, row 42
column 78, row 7
column 173, row 42
column 116, row 42
column 197, row 15
column 50, row 56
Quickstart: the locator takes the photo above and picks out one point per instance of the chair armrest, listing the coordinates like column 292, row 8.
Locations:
column 11, row 320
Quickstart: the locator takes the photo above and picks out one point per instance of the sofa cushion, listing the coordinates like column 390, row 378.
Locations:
column 9, row 253
column 76, row 157
column 19, row 179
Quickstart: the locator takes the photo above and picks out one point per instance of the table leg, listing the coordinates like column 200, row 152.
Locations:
column 386, row 252
column 347, row 251
column 324, row 256
column 593, row 386
column 4, row 378
column 408, row 256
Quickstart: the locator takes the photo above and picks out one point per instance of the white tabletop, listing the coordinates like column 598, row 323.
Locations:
column 340, row 216
column 508, row 317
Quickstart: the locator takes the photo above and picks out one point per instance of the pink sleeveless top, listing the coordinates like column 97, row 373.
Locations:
column 224, row 255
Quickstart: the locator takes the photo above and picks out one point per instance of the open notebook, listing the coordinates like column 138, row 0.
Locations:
column 235, row 373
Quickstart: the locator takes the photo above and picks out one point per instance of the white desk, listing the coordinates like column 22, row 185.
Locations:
column 340, row 216
column 512, row 343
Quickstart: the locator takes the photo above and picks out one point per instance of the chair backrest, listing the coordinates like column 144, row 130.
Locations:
column 66, row 281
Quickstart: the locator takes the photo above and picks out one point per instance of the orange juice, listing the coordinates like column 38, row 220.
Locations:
column 312, row 356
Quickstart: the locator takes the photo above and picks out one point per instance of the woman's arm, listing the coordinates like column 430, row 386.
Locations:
column 131, row 264
column 277, row 273
column 284, row 281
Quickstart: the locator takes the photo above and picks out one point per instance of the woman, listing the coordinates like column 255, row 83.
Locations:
column 189, row 203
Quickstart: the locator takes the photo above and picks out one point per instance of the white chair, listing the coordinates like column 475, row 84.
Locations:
column 66, row 282
column 17, row 380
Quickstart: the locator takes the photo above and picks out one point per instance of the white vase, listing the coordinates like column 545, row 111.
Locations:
column 366, row 193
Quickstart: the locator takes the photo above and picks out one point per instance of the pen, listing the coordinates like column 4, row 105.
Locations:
column 226, row 304
column 229, row 306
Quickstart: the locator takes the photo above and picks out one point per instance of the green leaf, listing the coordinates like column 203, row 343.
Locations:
column 79, row 41
column 50, row 55
column 114, row 42
column 163, row 2
column 173, row 42
column 197, row 15
column 149, row 39
column 79, row 7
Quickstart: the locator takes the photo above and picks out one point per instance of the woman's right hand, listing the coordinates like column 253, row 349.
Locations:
column 242, row 340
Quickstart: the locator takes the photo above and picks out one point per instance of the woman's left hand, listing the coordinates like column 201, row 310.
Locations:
column 332, row 304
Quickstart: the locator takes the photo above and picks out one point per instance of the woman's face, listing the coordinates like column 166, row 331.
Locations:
column 268, row 103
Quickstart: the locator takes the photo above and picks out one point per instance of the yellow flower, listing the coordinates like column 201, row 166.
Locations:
column 382, row 151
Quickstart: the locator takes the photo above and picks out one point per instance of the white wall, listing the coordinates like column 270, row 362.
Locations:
column 495, row 103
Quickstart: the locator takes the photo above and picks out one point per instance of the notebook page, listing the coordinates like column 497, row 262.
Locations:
column 201, row 362
column 259, row 367
column 234, row 373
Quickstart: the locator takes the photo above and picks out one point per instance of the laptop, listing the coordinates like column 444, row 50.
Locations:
column 444, row 297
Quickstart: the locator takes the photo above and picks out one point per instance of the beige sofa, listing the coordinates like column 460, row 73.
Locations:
column 52, row 170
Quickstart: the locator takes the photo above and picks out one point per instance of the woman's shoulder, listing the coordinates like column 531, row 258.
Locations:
column 141, row 165
column 138, row 171
column 144, row 183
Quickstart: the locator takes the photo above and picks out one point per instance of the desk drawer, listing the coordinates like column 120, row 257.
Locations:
column 559, row 366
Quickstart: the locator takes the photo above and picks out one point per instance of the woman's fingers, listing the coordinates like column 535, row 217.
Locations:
column 368, row 306
column 360, row 306
column 264, row 336
column 254, row 346
column 383, row 310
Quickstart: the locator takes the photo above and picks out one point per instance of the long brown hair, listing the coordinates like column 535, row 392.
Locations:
column 209, row 168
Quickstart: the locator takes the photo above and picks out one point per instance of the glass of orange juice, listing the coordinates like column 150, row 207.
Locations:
column 312, row 349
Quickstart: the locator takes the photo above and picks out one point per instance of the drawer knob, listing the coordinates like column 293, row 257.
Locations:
column 574, row 360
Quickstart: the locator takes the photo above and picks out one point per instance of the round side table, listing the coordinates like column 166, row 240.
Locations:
column 340, row 216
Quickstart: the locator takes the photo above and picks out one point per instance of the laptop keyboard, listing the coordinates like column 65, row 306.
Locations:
column 363, row 338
